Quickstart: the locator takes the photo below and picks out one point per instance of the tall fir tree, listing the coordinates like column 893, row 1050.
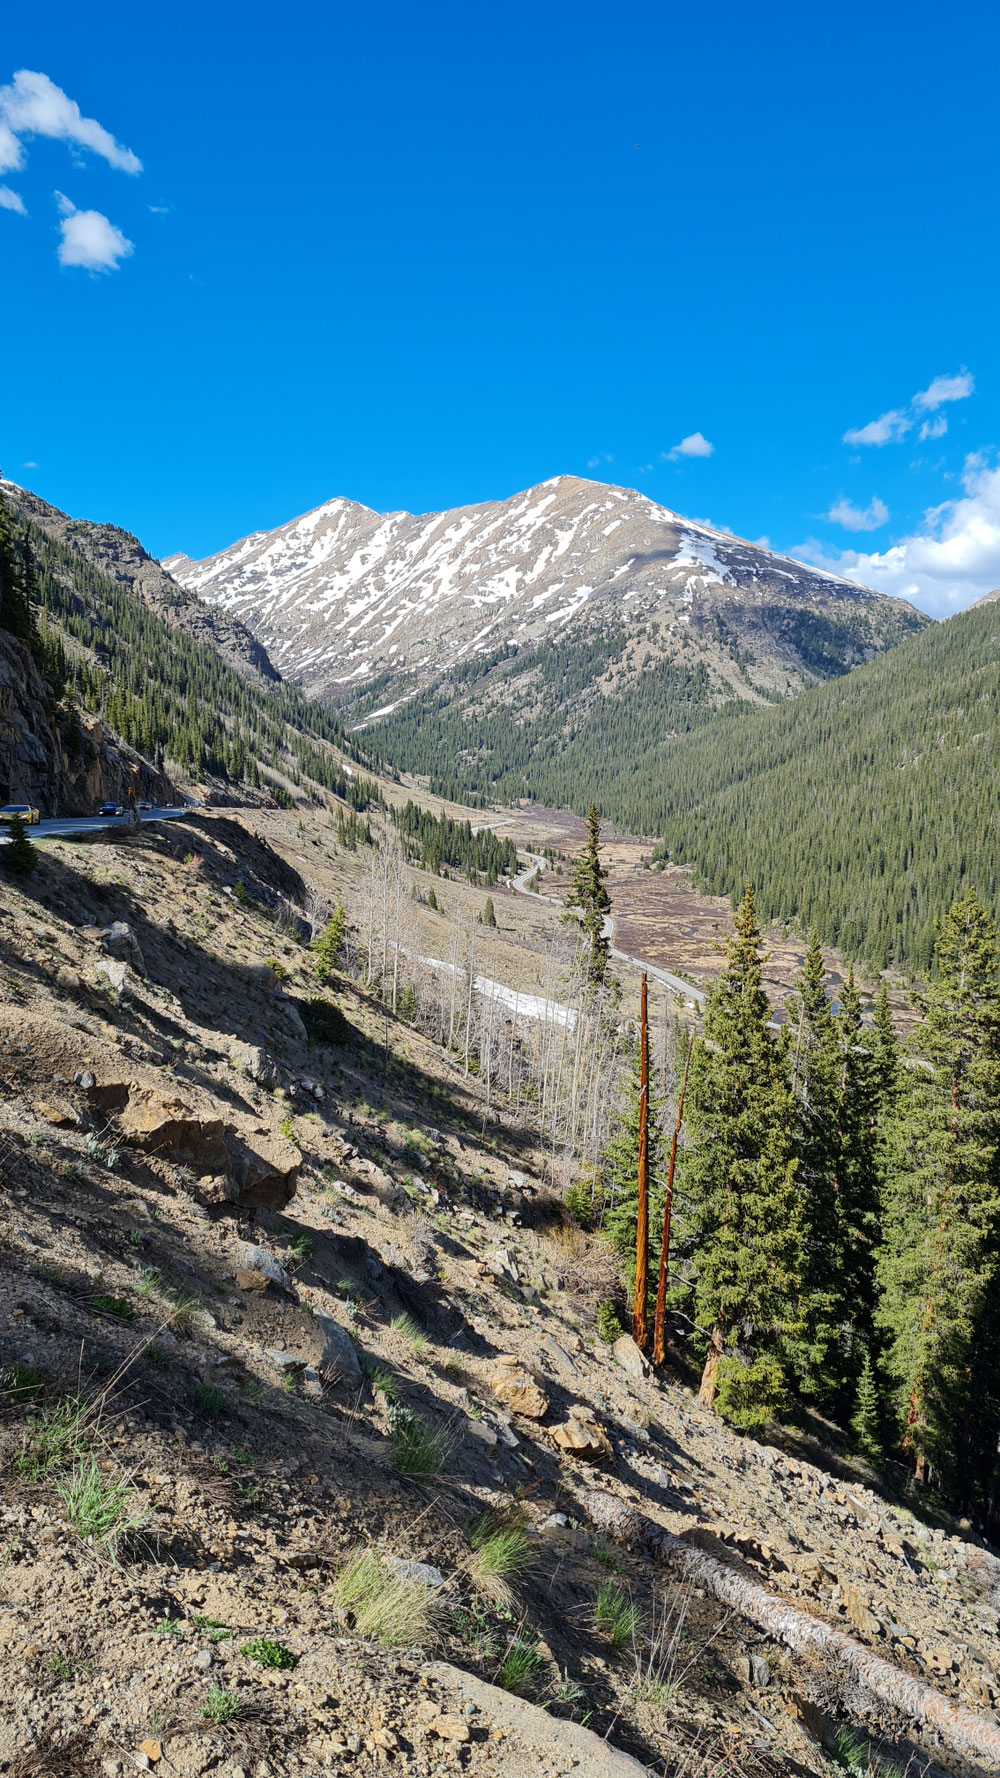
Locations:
column 869, row 1068
column 589, row 895
column 938, row 1263
column 817, row 1084
column 744, row 1222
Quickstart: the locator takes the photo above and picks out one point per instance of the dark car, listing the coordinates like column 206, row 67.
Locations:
column 145, row 805
column 110, row 809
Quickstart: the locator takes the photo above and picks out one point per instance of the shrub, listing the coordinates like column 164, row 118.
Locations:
column 221, row 1706
column 609, row 1328
column 211, row 1400
column 579, row 1202
column 396, row 1611
column 324, row 1022
column 268, row 1654
column 19, row 855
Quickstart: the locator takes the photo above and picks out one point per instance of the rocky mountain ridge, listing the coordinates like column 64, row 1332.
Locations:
column 344, row 597
column 121, row 557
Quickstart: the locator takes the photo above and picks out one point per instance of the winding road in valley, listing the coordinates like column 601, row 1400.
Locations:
column 674, row 982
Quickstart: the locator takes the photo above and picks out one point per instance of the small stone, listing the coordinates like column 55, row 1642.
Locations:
column 450, row 1728
column 408, row 1570
column 202, row 1659
column 628, row 1355
column 518, row 1389
column 385, row 1738
column 353, row 1743
column 151, row 1748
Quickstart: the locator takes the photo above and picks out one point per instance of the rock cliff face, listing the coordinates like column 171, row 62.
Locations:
column 58, row 766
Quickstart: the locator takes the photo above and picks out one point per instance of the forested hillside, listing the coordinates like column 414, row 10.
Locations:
column 862, row 806
column 165, row 693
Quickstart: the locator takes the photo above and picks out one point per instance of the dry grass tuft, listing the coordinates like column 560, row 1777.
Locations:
column 383, row 1606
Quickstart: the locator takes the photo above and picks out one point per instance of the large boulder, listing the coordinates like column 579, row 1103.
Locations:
column 628, row 1355
column 339, row 1352
column 257, row 1169
column 518, row 1388
column 583, row 1437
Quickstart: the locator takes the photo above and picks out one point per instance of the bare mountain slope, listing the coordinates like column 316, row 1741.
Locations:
column 345, row 596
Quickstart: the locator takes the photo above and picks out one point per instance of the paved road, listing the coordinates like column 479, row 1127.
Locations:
column 674, row 982
column 71, row 824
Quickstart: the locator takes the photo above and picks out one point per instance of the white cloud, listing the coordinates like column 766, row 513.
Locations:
column 694, row 445
column 952, row 560
column 30, row 465
column 885, row 430
column 89, row 239
column 889, row 428
column 602, row 457
column 34, row 106
column 945, row 389
column 11, row 200
column 859, row 518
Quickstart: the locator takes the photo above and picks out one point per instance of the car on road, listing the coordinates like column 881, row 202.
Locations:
column 27, row 814
column 145, row 805
column 111, row 809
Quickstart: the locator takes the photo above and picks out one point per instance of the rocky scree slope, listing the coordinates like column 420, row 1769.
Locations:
column 247, row 1382
column 121, row 558
column 344, row 597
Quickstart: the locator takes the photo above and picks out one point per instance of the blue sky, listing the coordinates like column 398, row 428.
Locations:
column 427, row 255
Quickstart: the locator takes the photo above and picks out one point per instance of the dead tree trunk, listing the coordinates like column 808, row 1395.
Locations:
column 659, row 1337
column 640, row 1332
column 852, row 1668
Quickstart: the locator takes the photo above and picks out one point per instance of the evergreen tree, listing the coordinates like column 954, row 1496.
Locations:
column 17, row 581
column 489, row 914
column 328, row 944
column 620, row 1163
column 868, row 1082
column 744, row 1232
column 19, row 855
column 865, row 1419
column 588, row 893
column 942, row 1210
column 817, row 1084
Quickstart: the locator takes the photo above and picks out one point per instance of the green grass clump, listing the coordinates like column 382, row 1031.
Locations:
column 385, row 1383
column 22, row 1382
column 414, row 1335
column 170, row 1626
column 58, row 1437
column 502, row 1548
column 211, row 1400
column 99, row 1507
column 113, row 1305
column 386, row 1607
column 615, row 1614
column 521, row 1669
column 418, row 1450
column 221, row 1706
column 268, row 1654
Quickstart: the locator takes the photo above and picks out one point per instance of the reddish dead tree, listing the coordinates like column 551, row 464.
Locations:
column 659, row 1337
column 640, row 1332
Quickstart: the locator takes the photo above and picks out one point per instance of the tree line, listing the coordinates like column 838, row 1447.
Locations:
column 836, row 1220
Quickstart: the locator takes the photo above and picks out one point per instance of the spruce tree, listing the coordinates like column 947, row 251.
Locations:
column 817, row 1084
column 588, row 893
column 865, row 1419
column 328, row 944
column 744, row 1232
column 489, row 914
column 869, row 1071
column 19, row 855
column 938, row 1262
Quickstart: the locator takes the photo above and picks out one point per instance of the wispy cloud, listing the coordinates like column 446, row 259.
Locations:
column 694, row 445
column 89, row 239
column 602, row 457
column 952, row 559
column 890, row 427
column 32, row 105
column 944, row 389
column 30, row 465
column 11, row 200
column 859, row 518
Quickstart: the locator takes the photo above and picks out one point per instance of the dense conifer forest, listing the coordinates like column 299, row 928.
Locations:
column 859, row 807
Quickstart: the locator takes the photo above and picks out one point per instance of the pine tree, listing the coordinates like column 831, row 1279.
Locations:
column 588, row 893
column 19, row 855
column 817, row 1085
column 489, row 914
column 744, row 1232
column 328, row 944
column 17, row 580
column 865, row 1419
column 868, row 1084
column 942, row 1210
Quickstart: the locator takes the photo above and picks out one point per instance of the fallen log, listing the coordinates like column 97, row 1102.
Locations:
column 847, row 1662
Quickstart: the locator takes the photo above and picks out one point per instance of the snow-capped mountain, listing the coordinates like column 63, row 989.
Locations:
column 345, row 595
